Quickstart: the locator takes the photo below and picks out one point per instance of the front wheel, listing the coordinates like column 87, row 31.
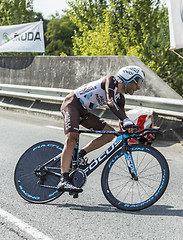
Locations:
column 126, row 193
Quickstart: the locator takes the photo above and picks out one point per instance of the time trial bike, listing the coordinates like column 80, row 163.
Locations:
column 134, row 177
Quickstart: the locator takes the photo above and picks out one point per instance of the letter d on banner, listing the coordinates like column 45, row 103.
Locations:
column 175, row 11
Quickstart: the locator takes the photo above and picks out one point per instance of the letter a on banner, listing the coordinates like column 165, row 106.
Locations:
column 28, row 37
column 175, row 10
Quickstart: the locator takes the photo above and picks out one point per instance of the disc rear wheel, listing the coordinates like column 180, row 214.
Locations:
column 34, row 183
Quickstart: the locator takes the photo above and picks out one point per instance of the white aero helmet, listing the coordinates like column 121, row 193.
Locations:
column 131, row 73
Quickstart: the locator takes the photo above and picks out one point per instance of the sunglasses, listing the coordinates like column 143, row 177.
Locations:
column 138, row 81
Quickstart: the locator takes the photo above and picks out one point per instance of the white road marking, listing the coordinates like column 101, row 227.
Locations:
column 24, row 226
column 86, row 134
column 58, row 128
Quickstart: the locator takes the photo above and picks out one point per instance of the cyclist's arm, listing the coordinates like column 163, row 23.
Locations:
column 116, row 105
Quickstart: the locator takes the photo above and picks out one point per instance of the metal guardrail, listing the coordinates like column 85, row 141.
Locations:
column 162, row 106
column 34, row 93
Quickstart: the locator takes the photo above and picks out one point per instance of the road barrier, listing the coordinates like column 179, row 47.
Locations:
column 162, row 106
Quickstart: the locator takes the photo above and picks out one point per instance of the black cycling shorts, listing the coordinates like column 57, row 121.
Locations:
column 74, row 114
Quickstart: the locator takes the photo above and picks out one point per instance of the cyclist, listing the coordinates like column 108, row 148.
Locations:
column 108, row 91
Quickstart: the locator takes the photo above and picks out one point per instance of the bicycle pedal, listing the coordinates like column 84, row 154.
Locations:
column 75, row 195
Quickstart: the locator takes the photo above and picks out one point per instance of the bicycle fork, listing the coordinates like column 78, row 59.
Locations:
column 130, row 162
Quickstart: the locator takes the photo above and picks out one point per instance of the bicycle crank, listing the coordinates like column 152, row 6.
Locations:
column 78, row 178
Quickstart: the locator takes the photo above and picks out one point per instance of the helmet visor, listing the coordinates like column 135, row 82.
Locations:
column 138, row 81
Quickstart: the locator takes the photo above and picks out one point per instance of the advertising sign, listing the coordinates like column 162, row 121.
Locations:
column 175, row 10
column 28, row 37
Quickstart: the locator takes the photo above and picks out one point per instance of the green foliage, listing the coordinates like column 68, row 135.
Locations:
column 127, row 27
column 106, row 27
column 96, row 41
column 15, row 12
column 59, row 36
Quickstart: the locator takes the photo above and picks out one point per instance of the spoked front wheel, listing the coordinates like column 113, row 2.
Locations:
column 126, row 193
column 36, row 184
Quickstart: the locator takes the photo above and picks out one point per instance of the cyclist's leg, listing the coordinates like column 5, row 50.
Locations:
column 71, row 113
column 70, row 143
column 65, row 183
column 94, row 122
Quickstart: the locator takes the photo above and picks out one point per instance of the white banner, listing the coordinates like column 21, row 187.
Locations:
column 175, row 10
column 28, row 37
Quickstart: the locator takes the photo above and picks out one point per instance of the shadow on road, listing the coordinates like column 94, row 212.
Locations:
column 155, row 210
column 160, row 210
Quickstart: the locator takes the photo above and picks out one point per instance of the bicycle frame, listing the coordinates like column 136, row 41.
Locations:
column 104, row 156
column 121, row 141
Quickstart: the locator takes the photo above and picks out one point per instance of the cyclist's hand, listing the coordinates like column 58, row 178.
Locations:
column 128, row 125
column 130, row 129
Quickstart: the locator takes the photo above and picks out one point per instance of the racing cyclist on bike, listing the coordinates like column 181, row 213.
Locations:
column 108, row 91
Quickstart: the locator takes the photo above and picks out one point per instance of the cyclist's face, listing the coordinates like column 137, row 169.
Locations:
column 132, row 87
column 138, row 81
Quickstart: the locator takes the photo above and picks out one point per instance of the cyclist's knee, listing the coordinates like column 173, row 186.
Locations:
column 110, row 137
column 71, row 139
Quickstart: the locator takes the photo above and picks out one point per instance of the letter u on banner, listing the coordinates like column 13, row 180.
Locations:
column 28, row 37
column 175, row 11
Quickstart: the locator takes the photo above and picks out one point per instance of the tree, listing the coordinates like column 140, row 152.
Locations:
column 16, row 12
column 129, row 24
column 59, row 36
column 128, row 27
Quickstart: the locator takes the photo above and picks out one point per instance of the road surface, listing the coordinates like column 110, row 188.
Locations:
column 91, row 216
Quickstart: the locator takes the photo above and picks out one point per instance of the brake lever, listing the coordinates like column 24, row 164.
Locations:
column 150, row 130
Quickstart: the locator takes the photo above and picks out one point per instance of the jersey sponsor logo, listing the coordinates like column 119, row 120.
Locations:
column 93, row 105
column 87, row 89
column 88, row 96
column 67, row 120
column 100, row 99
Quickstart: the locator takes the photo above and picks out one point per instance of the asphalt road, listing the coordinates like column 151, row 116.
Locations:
column 90, row 216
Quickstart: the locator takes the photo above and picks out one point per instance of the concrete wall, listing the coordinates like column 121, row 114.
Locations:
column 71, row 72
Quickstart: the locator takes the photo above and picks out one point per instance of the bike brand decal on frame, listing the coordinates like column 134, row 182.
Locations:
column 102, row 157
column 114, row 159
